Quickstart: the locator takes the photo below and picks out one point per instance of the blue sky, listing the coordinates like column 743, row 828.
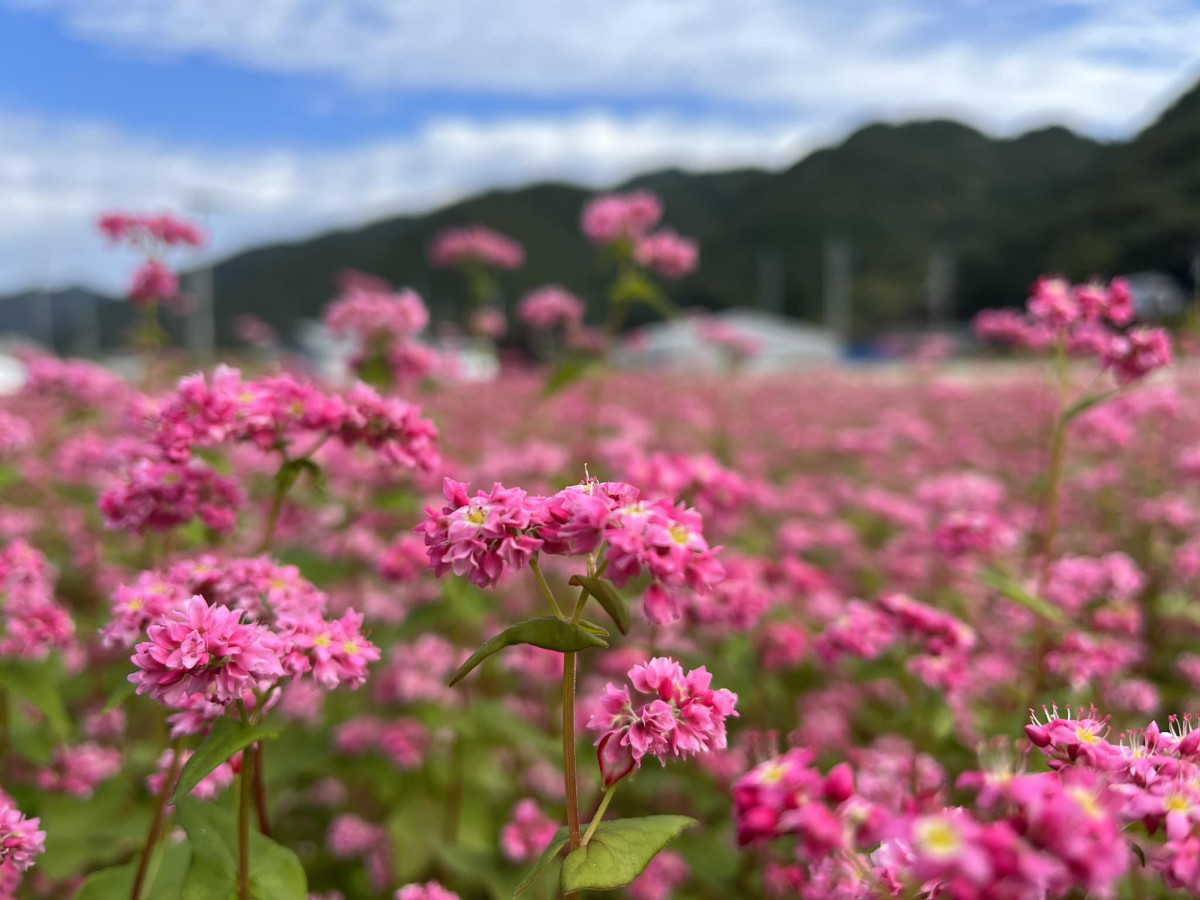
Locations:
column 292, row 116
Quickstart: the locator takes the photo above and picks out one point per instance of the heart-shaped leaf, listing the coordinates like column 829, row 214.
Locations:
column 619, row 852
column 547, row 632
column 275, row 871
column 607, row 596
column 551, row 851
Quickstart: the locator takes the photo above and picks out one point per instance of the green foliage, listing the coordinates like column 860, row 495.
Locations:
column 619, row 852
column 608, row 597
column 164, row 877
column 38, row 683
column 547, row 632
column 275, row 872
column 226, row 737
column 552, row 850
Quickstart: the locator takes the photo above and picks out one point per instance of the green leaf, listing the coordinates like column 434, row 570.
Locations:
column 556, row 845
column 1008, row 587
column 290, row 472
column 619, row 852
column 547, row 632
column 164, row 877
column 226, row 738
column 565, row 374
column 118, row 697
column 275, row 871
column 1083, row 404
column 38, row 683
column 607, row 596
column 598, row 630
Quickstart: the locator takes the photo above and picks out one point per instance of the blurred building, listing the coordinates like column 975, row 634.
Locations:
column 761, row 341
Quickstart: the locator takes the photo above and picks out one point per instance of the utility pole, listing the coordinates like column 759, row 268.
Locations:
column 837, row 287
column 939, row 286
column 201, row 329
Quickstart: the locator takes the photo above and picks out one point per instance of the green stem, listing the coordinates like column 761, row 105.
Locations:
column 156, row 824
column 570, row 779
column 1058, row 444
column 604, row 801
column 268, row 537
column 541, row 580
column 454, row 794
column 260, row 792
column 245, row 798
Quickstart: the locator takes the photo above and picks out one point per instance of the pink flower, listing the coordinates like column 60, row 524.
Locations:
column 144, row 229
column 488, row 322
column 528, row 832
column 667, row 253
column 480, row 537
column 338, row 651
column 551, row 306
column 205, row 650
column 615, row 217
column 666, row 872
column 685, row 718
column 152, row 281
column 1137, row 353
column 368, row 310
column 431, row 890
column 20, row 839
column 350, row 836
column 78, row 770
column 475, row 244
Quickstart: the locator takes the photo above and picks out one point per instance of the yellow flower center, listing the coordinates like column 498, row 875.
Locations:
column 937, row 838
column 1178, row 803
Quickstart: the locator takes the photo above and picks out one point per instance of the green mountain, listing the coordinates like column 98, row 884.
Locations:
column 1003, row 209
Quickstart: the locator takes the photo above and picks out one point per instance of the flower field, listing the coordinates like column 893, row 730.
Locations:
column 927, row 632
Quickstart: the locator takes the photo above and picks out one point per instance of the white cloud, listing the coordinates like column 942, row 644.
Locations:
column 1098, row 61
column 55, row 178
column 801, row 70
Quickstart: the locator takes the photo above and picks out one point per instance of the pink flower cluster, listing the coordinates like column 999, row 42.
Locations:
column 152, row 281
column 34, row 622
column 220, row 631
column 431, row 890
column 666, row 253
column 475, row 245
column 20, row 839
column 686, row 717
column 666, row 872
column 149, row 229
column 866, row 631
column 527, row 833
column 77, row 770
column 370, row 311
column 1088, row 320
column 620, row 217
column 481, row 537
column 550, row 307
column 206, row 651
column 1027, row 836
column 403, row 741
column 161, row 496
column 279, row 411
